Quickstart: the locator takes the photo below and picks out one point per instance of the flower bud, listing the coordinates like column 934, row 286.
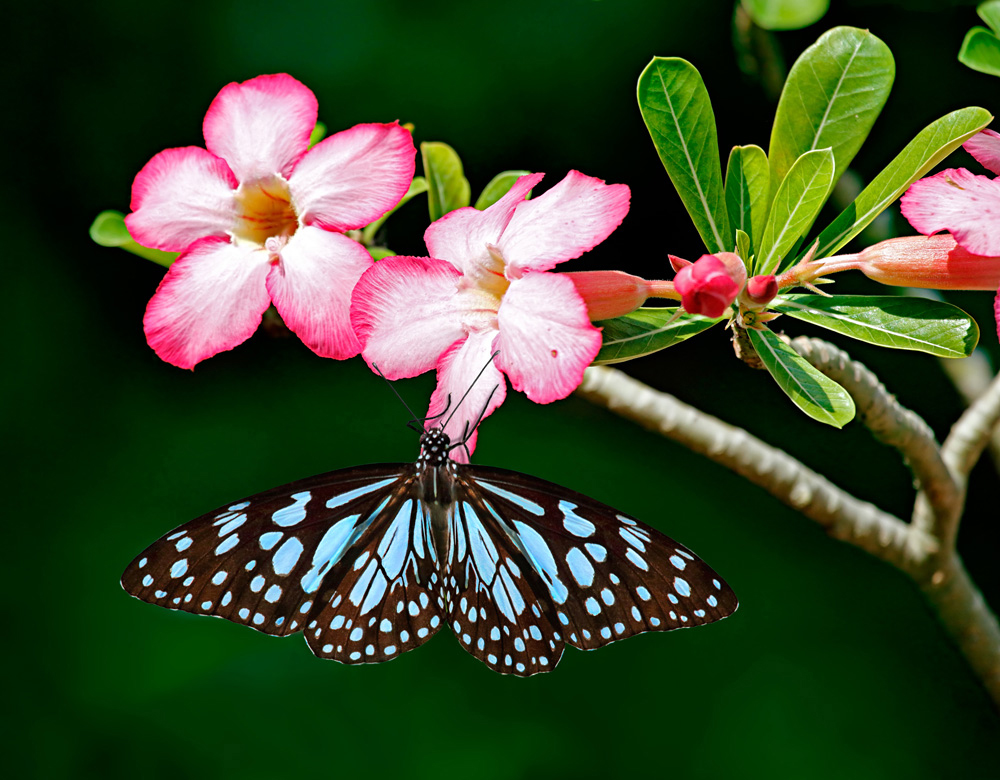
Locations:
column 760, row 290
column 710, row 284
column 936, row 262
column 609, row 294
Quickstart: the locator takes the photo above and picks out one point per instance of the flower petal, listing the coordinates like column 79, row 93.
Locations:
column 458, row 370
column 461, row 236
column 563, row 223
column 179, row 196
column 311, row 288
column 261, row 126
column 959, row 201
column 985, row 147
column 353, row 177
column 211, row 299
column 996, row 312
column 546, row 339
column 404, row 314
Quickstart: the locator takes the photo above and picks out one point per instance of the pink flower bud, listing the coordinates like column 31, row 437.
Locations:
column 710, row 284
column 609, row 294
column 761, row 289
column 936, row 262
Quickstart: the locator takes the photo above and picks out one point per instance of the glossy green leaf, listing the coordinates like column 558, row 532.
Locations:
column 678, row 114
column 417, row 187
column 812, row 391
column 108, row 229
column 989, row 12
column 380, row 252
column 498, row 187
column 931, row 146
column 317, row 134
column 785, row 14
column 748, row 191
column 796, row 204
column 981, row 51
column 743, row 249
column 831, row 99
column 897, row 322
column 645, row 331
column 448, row 189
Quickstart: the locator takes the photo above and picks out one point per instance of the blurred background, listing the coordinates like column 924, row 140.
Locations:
column 832, row 666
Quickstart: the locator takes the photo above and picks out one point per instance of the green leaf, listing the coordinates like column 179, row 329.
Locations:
column 832, row 97
column 743, row 249
column 645, row 331
column 989, row 12
column 812, row 391
column 897, row 322
column 798, row 201
column 981, row 51
column 785, row 14
column 932, row 144
column 448, row 189
column 417, row 187
column 748, row 193
column 498, row 187
column 678, row 114
column 317, row 134
column 379, row 252
column 108, row 229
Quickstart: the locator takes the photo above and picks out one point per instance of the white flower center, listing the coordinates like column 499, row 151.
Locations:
column 482, row 290
column 266, row 217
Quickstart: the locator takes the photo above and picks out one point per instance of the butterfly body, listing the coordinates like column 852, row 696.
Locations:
column 370, row 562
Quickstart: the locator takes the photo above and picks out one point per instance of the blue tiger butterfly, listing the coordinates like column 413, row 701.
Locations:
column 370, row 562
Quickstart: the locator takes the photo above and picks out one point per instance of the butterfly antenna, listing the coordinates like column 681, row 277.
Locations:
column 467, row 431
column 394, row 390
column 481, row 371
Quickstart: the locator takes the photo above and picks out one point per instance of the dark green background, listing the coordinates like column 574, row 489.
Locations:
column 832, row 667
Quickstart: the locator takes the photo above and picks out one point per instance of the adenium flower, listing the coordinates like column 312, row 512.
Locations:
column 485, row 289
column 259, row 219
column 710, row 284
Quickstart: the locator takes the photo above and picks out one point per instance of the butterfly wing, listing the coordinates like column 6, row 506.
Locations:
column 607, row 575
column 495, row 600
column 269, row 561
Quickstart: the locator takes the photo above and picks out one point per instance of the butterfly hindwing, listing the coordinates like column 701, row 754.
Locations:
column 262, row 561
column 384, row 599
column 496, row 602
column 608, row 575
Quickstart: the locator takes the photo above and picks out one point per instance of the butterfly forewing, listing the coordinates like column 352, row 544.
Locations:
column 496, row 602
column 264, row 561
column 384, row 599
column 608, row 576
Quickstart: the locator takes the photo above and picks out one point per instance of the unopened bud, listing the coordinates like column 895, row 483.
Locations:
column 710, row 284
column 609, row 294
column 760, row 290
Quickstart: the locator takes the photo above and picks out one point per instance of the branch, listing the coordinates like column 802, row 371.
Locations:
column 972, row 377
column 893, row 424
column 841, row 514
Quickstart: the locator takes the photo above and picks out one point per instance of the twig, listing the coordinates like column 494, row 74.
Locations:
column 971, row 377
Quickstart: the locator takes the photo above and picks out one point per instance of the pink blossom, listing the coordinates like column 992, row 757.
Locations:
column 761, row 289
column 710, row 284
column 485, row 289
column 961, row 202
column 259, row 218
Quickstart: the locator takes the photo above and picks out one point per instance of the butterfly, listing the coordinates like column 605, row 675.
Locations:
column 370, row 562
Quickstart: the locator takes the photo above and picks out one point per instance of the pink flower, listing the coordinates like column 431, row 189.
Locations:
column 259, row 219
column 961, row 202
column 711, row 283
column 761, row 289
column 485, row 289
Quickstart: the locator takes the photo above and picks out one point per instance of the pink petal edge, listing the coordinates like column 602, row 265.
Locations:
column 985, row 147
column 457, row 371
column 261, row 126
column 211, row 299
column 573, row 217
column 311, row 288
column 403, row 312
column 961, row 202
column 460, row 237
column 353, row 177
column 546, row 340
column 179, row 196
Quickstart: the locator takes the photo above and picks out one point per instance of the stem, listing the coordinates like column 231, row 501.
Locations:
column 931, row 562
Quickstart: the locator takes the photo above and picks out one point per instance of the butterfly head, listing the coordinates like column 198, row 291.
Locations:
column 434, row 447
